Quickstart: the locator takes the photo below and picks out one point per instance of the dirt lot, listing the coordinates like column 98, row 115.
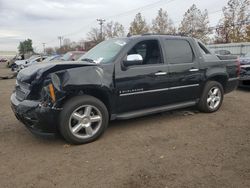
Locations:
column 177, row 149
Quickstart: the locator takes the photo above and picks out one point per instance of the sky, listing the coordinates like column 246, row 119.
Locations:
column 44, row 20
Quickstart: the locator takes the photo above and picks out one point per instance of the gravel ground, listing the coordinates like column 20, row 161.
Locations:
column 183, row 148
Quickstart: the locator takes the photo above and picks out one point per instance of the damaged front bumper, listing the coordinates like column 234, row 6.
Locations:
column 244, row 81
column 39, row 119
column 245, row 75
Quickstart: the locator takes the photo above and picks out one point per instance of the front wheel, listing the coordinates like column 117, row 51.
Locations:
column 83, row 119
column 212, row 97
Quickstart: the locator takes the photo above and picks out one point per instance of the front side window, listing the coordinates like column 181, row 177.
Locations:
column 149, row 50
column 178, row 51
column 105, row 52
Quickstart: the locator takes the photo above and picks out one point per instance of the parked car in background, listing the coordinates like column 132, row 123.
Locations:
column 245, row 70
column 72, row 56
column 22, row 64
column 52, row 58
column 42, row 59
column 3, row 60
column 121, row 78
column 12, row 61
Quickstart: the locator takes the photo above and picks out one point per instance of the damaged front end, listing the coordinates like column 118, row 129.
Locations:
column 38, row 105
column 42, row 89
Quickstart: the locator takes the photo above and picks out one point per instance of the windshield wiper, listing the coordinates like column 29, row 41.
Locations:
column 88, row 60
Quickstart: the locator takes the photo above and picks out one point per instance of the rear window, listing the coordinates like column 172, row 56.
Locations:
column 178, row 51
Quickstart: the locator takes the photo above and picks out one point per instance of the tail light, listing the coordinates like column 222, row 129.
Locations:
column 238, row 67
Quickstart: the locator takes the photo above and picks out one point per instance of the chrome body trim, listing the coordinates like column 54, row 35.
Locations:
column 233, row 79
column 158, row 90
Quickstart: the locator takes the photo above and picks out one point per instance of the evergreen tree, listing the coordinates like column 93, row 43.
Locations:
column 25, row 46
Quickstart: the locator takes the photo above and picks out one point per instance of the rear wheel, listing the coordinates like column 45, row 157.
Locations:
column 83, row 119
column 212, row 97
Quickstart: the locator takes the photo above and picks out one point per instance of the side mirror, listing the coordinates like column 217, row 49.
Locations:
column 133, row 59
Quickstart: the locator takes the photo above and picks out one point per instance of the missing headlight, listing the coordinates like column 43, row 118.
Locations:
column 56, row 81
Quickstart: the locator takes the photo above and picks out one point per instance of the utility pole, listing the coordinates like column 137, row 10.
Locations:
column 44, row 48
column 60, row 38
column 101, row 21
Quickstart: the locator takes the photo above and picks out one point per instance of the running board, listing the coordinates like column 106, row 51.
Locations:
column 139, row 113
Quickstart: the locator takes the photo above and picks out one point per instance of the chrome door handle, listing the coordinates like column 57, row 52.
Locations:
column 160, row 73
column 193, row 70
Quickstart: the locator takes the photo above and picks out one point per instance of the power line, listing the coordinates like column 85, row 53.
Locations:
column 209, row 13
column 152, row 5
column 148, row 6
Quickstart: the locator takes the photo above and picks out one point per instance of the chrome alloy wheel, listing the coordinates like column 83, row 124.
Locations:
column 214, row 98
column 85, row 121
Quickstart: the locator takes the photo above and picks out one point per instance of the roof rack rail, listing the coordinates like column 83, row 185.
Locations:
column 170, row 34
column 177, row 34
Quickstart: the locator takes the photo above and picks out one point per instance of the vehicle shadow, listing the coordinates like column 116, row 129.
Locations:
column 244, row 88
column 118, row 126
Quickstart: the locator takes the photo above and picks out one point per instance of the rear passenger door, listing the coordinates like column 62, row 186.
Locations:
column 184, row 72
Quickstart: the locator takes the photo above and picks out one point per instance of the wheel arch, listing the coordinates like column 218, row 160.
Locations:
column 220, row 78
column 103, row 94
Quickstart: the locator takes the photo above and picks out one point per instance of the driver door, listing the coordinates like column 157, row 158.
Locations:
column 142, row 86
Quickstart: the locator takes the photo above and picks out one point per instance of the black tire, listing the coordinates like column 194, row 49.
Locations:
column 203, row 104
column 66, row 118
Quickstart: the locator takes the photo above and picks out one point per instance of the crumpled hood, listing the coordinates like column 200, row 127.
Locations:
column 40, row 70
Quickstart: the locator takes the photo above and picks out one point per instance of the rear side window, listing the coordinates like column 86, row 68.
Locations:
column 178, row 51
column 203, row 49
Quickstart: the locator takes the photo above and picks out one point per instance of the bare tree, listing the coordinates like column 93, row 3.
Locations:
column 234, row 24
column 113, row 29
column 195, row 23
column 162, row 24
column 94, row 35
column 110, row 30
column 138, row 26
column 248, row 33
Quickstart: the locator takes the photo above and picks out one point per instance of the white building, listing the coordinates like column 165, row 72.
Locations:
column 235, row 48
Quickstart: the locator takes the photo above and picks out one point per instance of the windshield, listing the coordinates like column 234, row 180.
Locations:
column 105, row 51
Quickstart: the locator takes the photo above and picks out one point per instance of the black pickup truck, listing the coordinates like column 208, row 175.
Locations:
column 120, row 79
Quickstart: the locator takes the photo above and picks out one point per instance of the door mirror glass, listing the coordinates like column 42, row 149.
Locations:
column 133, row 59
